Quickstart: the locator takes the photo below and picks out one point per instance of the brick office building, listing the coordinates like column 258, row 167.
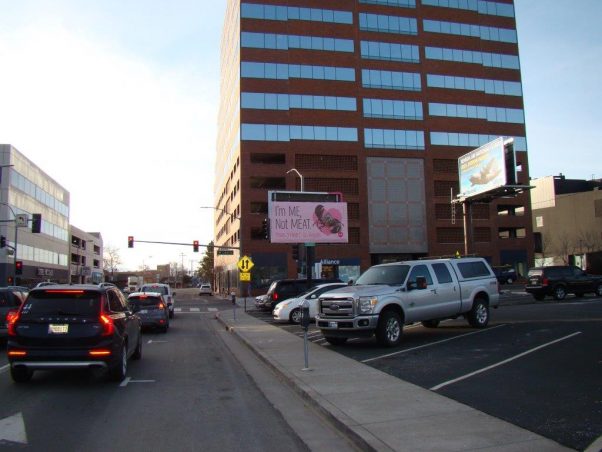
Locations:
column 375, row 99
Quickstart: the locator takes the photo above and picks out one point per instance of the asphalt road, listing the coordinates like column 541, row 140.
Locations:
column 187, row 393
column 537, row 365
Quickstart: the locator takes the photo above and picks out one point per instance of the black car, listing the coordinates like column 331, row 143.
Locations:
column 73, row 326
column 505, row 274
column 10, row 301
column 284, row 289
column 559, row 280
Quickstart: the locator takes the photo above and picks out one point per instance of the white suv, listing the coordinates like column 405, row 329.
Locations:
column 205, row 289
column 166, row 293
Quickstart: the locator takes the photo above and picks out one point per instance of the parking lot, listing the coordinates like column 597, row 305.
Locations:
column 537, row 365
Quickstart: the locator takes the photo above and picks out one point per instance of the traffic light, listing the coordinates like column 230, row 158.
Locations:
column 36, row 223
column 10, row 280
column 130, row 241
column 195, row 246
column 295, row 252
column 18, row 267
column 265, row 228
column 2, row 241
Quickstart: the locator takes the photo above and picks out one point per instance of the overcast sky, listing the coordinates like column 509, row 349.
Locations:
column 117, row 101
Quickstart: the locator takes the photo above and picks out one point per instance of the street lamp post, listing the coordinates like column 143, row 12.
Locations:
column 294, row 170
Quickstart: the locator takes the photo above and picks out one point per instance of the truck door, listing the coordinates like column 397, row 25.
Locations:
column 421, row 302
column 448, row 293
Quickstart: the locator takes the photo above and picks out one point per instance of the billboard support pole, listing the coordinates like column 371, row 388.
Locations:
column 467, row 212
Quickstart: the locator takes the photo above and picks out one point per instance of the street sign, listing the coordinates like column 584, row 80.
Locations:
column 246, row 276
column 22, row 219
column 225, row 252
column 245, row 264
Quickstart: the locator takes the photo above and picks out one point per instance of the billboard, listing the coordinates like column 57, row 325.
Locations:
column 486, row 168
column 308, row 222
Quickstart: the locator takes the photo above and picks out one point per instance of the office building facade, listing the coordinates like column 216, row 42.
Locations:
column 376, row 100
column 27, row 190
column 86, row 265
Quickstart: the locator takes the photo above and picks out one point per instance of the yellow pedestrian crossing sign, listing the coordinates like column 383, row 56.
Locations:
column 245, row 264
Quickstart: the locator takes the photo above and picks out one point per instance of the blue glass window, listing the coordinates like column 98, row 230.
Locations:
column 471, row 140
column 392, row 109
column 467, row 56
column 284, row 132
column 389, row 51
column 273, row 101
column 285, row 42
column 499, row 87
column 407, row 81
column 399, row 3
column 481, row 6
column 492, row 114
column 394, row 139
column 284, row 13
column 476, row 31
column 388, row 24
column 286, row 71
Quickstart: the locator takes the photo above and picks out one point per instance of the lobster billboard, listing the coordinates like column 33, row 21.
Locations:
column 308, row 222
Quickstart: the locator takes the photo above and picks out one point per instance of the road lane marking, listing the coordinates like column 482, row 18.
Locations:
column 12, row 429
column 432, row 343
column 129, row 380
column 195, row 310
column 520, row 355
column 212, row 309
column 151, row 341
column 4, row 368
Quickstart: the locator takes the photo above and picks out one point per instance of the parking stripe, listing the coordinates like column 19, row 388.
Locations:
column 520, row 355
column 432, row 343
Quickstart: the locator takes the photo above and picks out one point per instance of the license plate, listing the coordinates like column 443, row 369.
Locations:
column 332, row 324
column 143, row 311
column 58, row 329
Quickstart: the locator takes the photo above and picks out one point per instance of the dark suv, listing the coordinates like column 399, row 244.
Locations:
column 75, row 326
column 559, row 280
column 505, row 274
column 284, row 289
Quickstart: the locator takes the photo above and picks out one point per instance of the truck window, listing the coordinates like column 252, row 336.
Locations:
column 442, row 273
column 420, row 270
column 473, row 269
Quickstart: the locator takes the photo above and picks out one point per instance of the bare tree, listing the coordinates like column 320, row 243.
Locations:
column 111, row 260
column 563, row 246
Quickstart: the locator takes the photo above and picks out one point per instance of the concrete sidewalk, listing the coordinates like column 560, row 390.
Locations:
column 378, row 411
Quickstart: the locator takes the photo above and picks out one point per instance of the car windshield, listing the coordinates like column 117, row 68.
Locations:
column 392, row 275
column 140, row 301
column 62, row 302
column 159, row 289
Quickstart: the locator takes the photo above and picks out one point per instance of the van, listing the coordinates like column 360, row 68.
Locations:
column 284, row 289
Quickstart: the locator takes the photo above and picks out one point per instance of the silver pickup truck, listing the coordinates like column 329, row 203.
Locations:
column 386, row 297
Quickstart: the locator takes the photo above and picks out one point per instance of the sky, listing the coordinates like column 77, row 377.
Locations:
column 117, row 101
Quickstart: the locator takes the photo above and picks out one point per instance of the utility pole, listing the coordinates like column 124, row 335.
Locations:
column 182, row 255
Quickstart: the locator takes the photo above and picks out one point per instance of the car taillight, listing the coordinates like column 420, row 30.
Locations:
column 99, row 352
column 544, row 281
column 161, row 306
column 11, row 320
column 275, row 296
column 107, row 325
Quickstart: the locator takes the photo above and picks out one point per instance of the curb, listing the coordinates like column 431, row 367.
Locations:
column 360, row 441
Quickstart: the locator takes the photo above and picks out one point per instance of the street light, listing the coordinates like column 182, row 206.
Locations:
column 298, row 174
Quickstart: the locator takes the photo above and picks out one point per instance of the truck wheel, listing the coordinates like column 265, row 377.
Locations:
column 430, row 323
column 478, row 317
column 559, row 292
column 295, row 316
column 389, row 329
column 335, row 340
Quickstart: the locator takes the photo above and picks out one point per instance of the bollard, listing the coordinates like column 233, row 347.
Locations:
column 305, row 325
column 233, row 295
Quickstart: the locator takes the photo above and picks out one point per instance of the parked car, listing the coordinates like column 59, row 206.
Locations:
column 505, row 274
column 151, row 309
column 73, row 326
column 284, row 289
column 165, row 291
column 10, row 302
column 290, row 310
column 205, row 289
column 560, row 280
